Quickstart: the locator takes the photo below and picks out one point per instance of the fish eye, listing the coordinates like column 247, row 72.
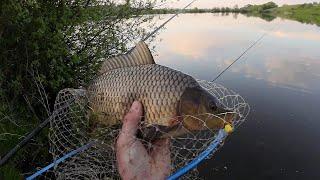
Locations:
column 213, row 106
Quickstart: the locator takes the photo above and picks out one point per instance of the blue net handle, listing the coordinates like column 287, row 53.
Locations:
column 211, row 149
column 194, row 163
column 58, row 161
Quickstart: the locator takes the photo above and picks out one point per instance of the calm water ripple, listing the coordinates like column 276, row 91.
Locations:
column 279, row 78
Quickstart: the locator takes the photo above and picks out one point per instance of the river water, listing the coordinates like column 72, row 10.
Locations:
column 279, row 78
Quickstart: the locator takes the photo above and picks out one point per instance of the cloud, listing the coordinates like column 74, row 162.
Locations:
column 195, row 47
column 195, row 36
column 297, row 35
column 287, row 58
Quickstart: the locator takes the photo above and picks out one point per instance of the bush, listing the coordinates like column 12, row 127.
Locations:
column 268, row 5
column 46, row 46
column 258, row 8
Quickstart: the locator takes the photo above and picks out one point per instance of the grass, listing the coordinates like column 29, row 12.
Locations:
column 10, row 134
column 9, row 172
column 305, row 13
column 12, row 130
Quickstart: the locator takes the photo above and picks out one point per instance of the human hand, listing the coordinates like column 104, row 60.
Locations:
column 134, row 161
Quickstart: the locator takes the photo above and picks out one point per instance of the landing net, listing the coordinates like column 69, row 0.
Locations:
column 71, row 127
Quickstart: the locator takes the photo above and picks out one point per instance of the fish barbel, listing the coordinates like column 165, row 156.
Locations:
column 166, row 94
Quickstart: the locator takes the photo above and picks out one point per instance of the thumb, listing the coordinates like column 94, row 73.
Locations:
column 131, row 120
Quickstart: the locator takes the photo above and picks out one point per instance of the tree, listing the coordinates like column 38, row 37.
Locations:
column 46, row 46
column 269, row 5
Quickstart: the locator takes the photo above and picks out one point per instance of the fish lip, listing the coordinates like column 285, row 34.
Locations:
column 226, row 114
column 229, row 117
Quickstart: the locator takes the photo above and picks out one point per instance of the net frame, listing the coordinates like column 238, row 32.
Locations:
column 70, row 129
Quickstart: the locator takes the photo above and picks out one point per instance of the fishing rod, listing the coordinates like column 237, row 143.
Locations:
column 168, row 20
column 196, row 161
column 243, row 53
column 35, row 131
column 224, row 70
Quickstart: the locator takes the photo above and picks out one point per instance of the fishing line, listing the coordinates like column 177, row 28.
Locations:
column 5, row 159
column 60, row 160
column 196, row 161
column 243, row 53
column 181, row 171
column 191, row 165
column 163, row 24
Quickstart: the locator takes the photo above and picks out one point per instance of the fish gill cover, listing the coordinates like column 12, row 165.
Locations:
column 177, row 107
column 73, row 125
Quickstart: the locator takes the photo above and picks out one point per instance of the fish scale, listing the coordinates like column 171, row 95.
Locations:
column 157, row 87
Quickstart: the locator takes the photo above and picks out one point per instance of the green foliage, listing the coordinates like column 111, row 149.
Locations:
column 46, row 46
column 305, row 13
column 194, row 10
column 259, row 8
column 268, row 5
column 9, row 172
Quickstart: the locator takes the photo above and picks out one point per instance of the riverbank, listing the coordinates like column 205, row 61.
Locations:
column 305, row 13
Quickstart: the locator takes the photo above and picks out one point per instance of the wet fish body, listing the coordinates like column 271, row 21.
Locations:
column 166, row 94
column 157, row 87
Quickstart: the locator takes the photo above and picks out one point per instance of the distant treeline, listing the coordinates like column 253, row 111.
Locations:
column 194, row 10
column 305, row 13
column 246, row 9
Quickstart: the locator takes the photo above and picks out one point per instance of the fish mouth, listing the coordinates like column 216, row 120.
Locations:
column 220, row 118
column 228, row 116
column 190, row 123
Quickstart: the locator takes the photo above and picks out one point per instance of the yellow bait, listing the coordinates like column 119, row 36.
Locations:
column 228, row 128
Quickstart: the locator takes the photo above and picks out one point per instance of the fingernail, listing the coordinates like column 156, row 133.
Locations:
column 135, row 106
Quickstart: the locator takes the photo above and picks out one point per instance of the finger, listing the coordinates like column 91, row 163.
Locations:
column 161, row 156
column 130, row 153
column 132, row 160
column 132, row 119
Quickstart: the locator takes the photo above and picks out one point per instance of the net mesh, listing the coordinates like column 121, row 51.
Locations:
column 71, row 127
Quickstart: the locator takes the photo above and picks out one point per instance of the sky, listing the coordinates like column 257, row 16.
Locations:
column 229, row 3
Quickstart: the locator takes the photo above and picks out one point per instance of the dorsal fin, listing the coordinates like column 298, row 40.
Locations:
column 140, row 55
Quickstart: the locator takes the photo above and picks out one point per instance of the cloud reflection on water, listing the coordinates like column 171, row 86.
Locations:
column 307, row 35
column 202, row 45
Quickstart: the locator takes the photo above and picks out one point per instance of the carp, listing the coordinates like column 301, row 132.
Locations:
column 171, row 99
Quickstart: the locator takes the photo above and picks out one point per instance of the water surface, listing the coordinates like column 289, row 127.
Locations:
column 279, row 78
